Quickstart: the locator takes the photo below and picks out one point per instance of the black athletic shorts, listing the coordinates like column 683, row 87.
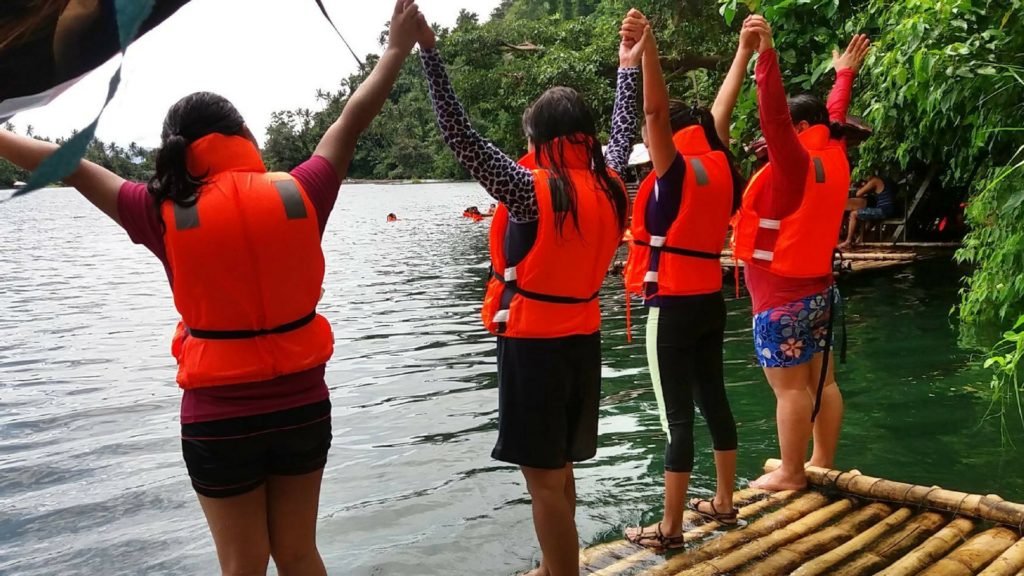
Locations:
column 548, row 396
column 236, row 455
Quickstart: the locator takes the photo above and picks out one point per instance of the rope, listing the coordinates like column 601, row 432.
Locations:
column 323, row 9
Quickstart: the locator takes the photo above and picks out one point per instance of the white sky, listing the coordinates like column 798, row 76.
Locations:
column 263, row 55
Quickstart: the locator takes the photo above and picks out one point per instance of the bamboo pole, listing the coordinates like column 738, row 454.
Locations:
column 991, row 508
column 933, row 548
column 789, row 557
column 781, row 536
column 1009, row 564
column 645, row 555
column 905, row 538
column 974, row 554
column 594, row 556
column 799, row 508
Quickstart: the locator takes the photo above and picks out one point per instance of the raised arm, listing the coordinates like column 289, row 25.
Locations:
column 846, row 65
column 729, row 93
column 501, row 176
column 339, row 142
column 785, row 151
column 656, row 106
column 99, row 185
column 624, row 114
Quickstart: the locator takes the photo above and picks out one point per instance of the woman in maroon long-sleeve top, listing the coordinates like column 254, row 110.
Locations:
column 790, row 211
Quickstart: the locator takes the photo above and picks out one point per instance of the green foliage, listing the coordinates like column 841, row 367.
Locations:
column 1007, row 365
column 498, row 68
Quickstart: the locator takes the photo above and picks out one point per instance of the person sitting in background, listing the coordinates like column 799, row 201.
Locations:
column 392, row 217
column 874, row 201
column 491, row 210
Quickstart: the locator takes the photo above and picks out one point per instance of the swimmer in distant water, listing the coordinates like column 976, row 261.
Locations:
column 491, row 210
column 251, row 349
column 392, row 217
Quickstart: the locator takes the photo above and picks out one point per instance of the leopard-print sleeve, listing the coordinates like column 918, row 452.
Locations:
column 501, row 176
column 624, row 120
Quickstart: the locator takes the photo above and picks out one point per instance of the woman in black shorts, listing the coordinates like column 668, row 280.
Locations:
column 241, row 248
column 552, row 240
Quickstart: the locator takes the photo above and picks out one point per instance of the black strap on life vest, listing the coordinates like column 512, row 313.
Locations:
column 511, row 288
column 682, row 251
column 245, row 334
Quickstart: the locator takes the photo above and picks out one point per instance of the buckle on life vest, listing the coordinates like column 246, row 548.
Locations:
column 244, row 334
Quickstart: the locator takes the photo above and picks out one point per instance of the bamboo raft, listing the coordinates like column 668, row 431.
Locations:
column 846, row 524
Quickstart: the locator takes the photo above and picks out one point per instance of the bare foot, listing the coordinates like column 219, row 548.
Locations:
column 816, row 464
column 779, row 480
column 542, row 571
column 844, row 246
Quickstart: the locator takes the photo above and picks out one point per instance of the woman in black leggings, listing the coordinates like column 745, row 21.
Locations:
column 680, row 220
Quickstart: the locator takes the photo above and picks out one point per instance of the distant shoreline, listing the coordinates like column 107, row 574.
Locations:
column 405, row 182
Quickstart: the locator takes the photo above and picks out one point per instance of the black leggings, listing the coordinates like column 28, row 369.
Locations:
column 684, row 351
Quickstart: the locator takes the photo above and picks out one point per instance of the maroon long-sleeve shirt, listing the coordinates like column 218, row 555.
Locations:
column 790, row 162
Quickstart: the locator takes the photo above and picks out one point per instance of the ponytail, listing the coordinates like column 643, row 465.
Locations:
column 172, row 180
column 682, row 116
column 191, row 118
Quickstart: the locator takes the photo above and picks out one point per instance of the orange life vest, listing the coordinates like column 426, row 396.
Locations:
column 553, row 291
column 687, row 260
column 247, row 271
column 800, row 245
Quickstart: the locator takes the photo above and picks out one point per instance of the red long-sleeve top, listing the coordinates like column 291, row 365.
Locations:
column 790, row 162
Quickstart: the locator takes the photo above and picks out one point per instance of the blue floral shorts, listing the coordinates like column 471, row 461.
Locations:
column 791, row 334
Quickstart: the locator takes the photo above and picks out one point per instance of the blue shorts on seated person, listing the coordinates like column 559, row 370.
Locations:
column 871, row 214
column 791, row 334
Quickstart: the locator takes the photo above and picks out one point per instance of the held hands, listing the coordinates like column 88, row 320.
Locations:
column 750, row 40
column 636, row 38
column 854, row 56
column 405, row 26
column 427, row 38
column 756, row 24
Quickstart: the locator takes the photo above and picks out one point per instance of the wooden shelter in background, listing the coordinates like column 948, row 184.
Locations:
column 846, row 524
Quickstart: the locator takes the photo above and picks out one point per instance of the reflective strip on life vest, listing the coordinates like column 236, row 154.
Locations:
column 769, row 224
column 651, row 276
column 819, row 170
column 764, row 255
column 186, row 217
column 294, row 206
column 657, row 241
column 700, row 172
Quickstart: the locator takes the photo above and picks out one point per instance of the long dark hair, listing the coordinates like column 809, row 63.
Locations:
column 194, row 116
column 810, row 108
column 683, row 116
column 560, row 117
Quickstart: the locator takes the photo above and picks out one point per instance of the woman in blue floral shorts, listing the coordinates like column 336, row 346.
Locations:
column 790, row 334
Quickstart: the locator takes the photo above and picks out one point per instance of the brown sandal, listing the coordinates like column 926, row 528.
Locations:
column 730, row 518
column 656, row 540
